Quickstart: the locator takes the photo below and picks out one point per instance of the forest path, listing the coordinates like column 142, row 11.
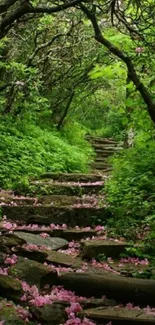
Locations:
column 60, row 262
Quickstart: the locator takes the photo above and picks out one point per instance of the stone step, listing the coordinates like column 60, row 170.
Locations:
column 108, row 148
column 118, row 315
column 93, row 248
column 52, row 200
column 107, row 144
column 70, row 188
column 64, row 177
column 100, row 158
column 46, row 215
column 102, row 155
column 101, row 140
column 122, row 289
column 68, row 234
column 53, row 243
column 103, row 152
column 33, row 272
column 100, row 166
column 61, row 259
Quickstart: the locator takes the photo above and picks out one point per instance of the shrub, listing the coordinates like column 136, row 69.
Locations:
column 28, row 151
column 131, row 188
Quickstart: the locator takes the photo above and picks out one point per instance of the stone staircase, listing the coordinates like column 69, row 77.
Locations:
column 104, row 148
column 59, row 263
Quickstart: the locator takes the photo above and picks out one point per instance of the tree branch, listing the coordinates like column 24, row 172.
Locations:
column 42, row 46
column 145, row 94
column 6, row 5
column 26, row 8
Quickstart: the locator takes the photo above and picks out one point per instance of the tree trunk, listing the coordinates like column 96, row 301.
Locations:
column 65, row 111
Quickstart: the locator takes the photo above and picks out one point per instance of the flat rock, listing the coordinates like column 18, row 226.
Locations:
column 119, row 316
column 54, row 314
column 92, row 248
column 33, row 272
column 54, row 243
column 39, row 256
column 10, row 288
column 62, row 259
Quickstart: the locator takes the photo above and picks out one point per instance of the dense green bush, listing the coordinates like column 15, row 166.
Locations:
column 113, row 126
column 131, row 188
column 26, row 150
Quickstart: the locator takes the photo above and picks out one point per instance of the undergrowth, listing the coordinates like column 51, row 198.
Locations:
column 27, row 150
column 131, row 188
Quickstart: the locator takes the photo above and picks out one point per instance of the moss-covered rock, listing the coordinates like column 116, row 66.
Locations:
column 92, row 248
column 33, row 272
column 54, row 314
column 10, row 288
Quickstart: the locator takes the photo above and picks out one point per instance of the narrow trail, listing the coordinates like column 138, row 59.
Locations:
column 59, row 265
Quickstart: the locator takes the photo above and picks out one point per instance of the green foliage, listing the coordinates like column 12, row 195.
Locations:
column 29, row 151
column 131, row 188
column 113, row 125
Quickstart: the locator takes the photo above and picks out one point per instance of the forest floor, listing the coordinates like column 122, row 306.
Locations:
column 60, row 264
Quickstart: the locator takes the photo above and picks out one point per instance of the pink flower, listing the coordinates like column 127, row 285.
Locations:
column 11, row 259
column 64, row 226
column 3, row 271
column 99, row 228
column 44, row 235
column 74, row 308
column 139, row 49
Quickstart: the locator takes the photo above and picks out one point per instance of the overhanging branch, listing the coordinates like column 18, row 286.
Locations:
column 145, row 94
column 26, row 8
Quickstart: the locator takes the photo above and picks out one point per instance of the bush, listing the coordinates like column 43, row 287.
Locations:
column 131, row 188
column 26, row 150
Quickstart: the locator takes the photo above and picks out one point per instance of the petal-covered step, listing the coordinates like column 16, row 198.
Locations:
column 68, row 234
column 119, row 315
column 123, row 289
